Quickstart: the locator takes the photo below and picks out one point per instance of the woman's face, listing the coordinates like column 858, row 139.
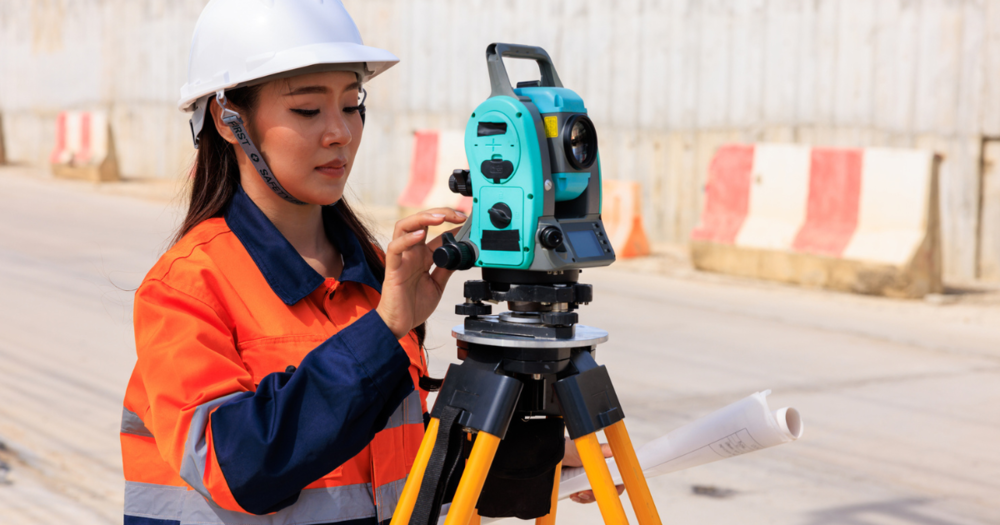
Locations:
column 308, row 129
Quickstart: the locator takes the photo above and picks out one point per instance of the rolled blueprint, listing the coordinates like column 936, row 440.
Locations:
column 744, row 426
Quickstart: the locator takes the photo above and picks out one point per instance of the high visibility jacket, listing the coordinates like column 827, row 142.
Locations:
column 264, row 392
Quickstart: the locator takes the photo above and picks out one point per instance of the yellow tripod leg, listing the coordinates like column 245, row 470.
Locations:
column 475, row 519
column 404, row 509
column 601, row 483
column 550, row 518
column 471, row 484
column 635, row 481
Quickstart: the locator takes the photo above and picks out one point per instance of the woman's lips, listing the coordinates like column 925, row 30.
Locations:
column 335, row 168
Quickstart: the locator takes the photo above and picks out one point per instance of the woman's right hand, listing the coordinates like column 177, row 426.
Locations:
column 411, row 292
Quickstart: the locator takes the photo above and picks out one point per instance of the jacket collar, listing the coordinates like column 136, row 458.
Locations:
column 289, row 275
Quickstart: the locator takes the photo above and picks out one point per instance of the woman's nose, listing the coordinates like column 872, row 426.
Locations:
column 337, row 132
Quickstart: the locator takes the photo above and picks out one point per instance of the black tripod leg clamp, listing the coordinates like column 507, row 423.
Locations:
column 588, row 398
column 472, row 396
column 440, row 467
column 487, row 399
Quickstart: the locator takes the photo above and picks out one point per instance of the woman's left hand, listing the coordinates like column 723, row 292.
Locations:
column 571, row 458
column 411, row 292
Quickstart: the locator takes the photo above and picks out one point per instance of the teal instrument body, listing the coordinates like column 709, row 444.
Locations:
column 534, row 175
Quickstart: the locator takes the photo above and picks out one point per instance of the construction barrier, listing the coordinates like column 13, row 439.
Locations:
column 436, row 154
column 84, row 148
column 3, row 149
column 621, row 212
column 859, row 220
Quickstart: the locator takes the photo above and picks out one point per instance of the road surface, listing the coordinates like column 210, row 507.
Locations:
column 901, row 399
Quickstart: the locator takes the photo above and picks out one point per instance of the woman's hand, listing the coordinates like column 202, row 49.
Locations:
column 571, row 458
column 411, row 292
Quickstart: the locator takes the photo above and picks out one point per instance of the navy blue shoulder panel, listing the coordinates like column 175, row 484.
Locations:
column 290, row 276
column 300, row 426
column 356, row 267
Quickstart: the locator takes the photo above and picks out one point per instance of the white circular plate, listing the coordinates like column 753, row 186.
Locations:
column 582, row 336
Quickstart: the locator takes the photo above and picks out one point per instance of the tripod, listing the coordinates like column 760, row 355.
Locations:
column 533, row 365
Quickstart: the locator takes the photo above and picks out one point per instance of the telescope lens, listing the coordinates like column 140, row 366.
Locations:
column 578, row 138
column 581, row 142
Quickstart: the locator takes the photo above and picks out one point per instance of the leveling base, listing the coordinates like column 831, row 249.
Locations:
column 507, row 376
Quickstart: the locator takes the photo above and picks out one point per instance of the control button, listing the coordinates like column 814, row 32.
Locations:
column 551, row 237
column 459, row 183
column 497, row 170
column 500, row 215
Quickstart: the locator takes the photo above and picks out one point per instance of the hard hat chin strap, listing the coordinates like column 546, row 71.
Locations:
column 235, row 123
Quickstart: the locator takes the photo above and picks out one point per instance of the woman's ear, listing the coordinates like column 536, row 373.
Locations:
column 221, row 127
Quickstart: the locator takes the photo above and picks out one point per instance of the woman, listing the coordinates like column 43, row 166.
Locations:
column 278, row 348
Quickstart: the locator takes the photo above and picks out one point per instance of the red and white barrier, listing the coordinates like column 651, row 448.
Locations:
column 436, row 154
column 871, row 206
column 3, row 149
column 84, row 148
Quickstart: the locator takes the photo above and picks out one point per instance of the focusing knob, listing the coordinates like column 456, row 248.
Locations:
column 500, row 215
column 453, row 255
column 551, row 237
column 459, row 183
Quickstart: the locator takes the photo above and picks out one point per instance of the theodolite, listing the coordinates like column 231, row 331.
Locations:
column 528, row 375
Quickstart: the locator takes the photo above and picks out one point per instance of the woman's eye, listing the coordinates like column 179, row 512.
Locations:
column 306, row 112
column 351, row 109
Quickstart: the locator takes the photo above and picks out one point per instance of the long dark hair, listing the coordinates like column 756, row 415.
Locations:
column 215, row 178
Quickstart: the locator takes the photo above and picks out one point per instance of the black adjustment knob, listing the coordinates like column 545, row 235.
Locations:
column 559, row 318
column 453, row 255
column 478, row 291
column 551, row 237
column 500, row 215
column 473, row 309
column 459, row 183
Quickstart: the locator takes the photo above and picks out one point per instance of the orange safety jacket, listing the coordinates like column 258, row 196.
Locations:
column 264, row 392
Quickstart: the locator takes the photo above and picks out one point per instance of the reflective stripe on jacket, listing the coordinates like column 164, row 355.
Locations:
column 218, row 428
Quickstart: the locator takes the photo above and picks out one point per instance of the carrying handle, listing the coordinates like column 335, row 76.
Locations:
column 500, row 82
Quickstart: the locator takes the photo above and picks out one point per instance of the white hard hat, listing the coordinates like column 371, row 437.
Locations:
column 238, row 42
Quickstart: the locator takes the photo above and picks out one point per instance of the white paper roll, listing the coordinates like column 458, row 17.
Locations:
column 744, row 426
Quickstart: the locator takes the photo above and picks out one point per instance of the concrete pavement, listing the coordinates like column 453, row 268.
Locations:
column 901, row 399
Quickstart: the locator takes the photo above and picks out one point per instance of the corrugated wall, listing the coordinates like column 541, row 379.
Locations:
column 666, row 82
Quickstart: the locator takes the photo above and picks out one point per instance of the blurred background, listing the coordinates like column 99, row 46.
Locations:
column 666, row 83
column 899, row 397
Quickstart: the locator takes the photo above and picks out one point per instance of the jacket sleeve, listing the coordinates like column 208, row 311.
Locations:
column 253, row 450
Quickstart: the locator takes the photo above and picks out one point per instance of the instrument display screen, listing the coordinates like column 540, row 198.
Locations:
column 585, row 243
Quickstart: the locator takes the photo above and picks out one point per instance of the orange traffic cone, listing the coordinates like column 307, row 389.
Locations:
column 622, row 216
